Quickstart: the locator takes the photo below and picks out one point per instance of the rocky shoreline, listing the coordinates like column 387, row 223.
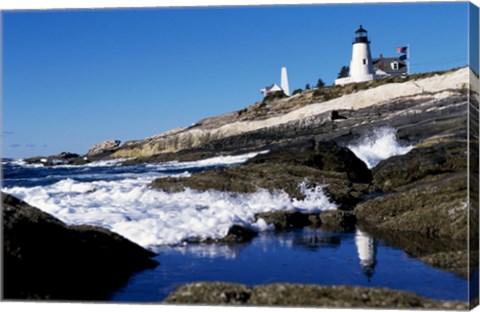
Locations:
column 298, row 295
column 416, row 201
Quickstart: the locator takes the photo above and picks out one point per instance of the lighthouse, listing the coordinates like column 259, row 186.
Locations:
column 284, row 82
column 361, row 67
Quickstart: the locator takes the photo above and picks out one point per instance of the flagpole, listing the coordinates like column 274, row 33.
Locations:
column 408, row 59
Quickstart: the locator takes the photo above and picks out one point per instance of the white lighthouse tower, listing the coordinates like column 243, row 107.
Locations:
column 361, row 67
column 284, row 82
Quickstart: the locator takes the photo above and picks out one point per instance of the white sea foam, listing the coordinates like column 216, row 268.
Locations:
column 379, row 145
column 214, row 161
column 151, row 217
column 20, row 162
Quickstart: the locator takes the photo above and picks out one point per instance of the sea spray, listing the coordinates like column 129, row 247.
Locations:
column 152, row 217
column 379, row 145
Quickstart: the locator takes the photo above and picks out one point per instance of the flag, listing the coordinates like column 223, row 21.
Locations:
column 402, row 50
column 403, row 57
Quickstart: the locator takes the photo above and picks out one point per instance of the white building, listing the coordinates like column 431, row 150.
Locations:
column 271, row 89
column 275, row 88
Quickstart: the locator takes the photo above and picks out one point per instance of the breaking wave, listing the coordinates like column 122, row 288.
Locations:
column 152, row 217
column 379, row 145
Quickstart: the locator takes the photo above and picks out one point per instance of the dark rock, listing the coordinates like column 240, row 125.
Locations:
column 283, row 220
column 335, row 116
column 239, row 234
column 456, row 261
column 305, row 295
column 46, row 259
column 337, row 220
column 64, row 158
column 321, row 155
column 434, row 209
column 330, row 220
column 431, row 160
column 67, row 155
column 210, row 293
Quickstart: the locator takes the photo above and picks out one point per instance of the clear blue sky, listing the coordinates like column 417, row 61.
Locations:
column 74, row 78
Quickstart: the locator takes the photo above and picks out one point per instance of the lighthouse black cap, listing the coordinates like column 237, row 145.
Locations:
column 361, row 35
column 361, row 30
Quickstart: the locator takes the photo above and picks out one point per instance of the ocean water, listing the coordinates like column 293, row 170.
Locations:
column 306, row 256
column 118, row 198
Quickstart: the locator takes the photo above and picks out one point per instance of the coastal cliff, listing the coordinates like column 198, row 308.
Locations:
column 302, row 114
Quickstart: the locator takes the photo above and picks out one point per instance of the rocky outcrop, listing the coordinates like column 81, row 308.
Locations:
column 329, row 220
column 425, row 191
column 104, row 147
column 64, row 158
column 423, row 204
column 238, row 234
column 45, row 259
column 217, row 293
column 432, row 160
column 283, row 220
column 435, row 209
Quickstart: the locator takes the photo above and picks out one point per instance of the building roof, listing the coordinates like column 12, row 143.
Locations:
column 269, row 89
column 385, row 64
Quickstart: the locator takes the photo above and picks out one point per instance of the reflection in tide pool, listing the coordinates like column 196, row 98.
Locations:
column 308, row 256
column 367, row 252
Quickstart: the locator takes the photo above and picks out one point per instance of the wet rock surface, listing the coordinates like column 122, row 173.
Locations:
column 434, row 209
column 432, row 160
column 45, row 259
column 303, row 296
column 283, row 220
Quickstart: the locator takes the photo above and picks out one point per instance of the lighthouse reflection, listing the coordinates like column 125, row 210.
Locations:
column 367, row 252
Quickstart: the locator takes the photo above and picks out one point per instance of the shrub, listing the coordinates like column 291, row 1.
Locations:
column 297, row 91
column 274, row 96
column 320, row 83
